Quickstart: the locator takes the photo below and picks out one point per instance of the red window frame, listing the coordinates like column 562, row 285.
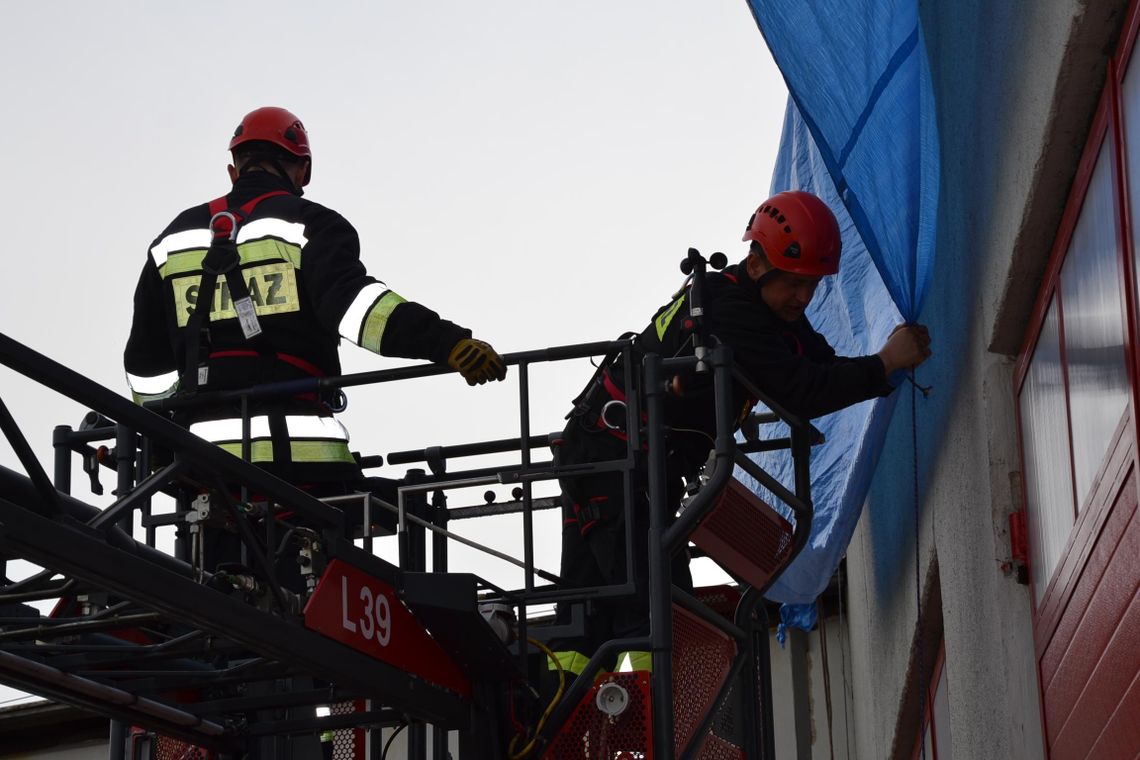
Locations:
column 928, row 711
column 1108, row 125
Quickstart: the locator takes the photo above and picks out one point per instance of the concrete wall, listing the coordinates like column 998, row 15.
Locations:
column 1016, row 86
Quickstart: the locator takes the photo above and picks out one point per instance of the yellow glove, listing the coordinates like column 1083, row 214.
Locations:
column 476, row 361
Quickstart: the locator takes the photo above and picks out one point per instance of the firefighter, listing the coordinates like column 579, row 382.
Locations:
column 296, row 288
column 757, row 308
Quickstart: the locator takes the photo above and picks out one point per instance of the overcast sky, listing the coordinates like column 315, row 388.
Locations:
column 533, row 170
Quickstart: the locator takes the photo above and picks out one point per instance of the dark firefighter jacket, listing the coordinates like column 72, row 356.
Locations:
column 301, row 263
column 789, row 361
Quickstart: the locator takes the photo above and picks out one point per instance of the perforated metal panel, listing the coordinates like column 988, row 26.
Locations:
column 716, row 748
column 745, row 535
column 166, row 748
column 590, row 734
column 347, row 743
column 702, row 659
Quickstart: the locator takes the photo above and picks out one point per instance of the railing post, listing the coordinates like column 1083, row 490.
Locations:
column 660, row 578
column 61, row 441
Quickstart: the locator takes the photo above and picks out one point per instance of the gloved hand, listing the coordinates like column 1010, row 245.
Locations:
column 476, row 361
column 907, row 347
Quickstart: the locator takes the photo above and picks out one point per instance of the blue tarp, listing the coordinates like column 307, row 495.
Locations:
column 860, row 132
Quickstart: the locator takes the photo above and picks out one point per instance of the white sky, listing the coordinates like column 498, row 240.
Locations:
column 532, row 170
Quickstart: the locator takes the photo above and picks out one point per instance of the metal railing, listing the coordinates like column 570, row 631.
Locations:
column 199, row 462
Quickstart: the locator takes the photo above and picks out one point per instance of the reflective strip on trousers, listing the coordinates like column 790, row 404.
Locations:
column 637, row 660
column 312, row 439
column 152, row 387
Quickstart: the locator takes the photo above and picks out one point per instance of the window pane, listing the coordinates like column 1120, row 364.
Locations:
column 1093, row 314
column 1130, row 95
column 1045, row 432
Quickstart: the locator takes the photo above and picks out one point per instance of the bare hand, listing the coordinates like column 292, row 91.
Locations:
column 907, row 347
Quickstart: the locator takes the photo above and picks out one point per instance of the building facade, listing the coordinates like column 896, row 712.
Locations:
column 993, row 581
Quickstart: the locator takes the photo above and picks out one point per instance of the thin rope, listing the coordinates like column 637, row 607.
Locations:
column 826, row 677
column 919, row 654
column 843, row 667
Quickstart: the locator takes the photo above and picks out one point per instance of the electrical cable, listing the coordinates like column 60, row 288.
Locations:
column 392, row 738
column 512, row 754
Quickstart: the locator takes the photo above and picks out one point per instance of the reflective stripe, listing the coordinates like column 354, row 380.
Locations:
column 364, row 321
column 179, row 241
column 662, row 322
column 152, row 384
column 300, row 426
column 372, row 332
column 197, row 241
column 290, row 232
column 572, row 662
column 635, row 660
column 266, row 249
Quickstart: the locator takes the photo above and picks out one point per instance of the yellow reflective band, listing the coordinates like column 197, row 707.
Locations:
column 142, row 398
column 272, row 288
column 637, row 660
column 372, row 329
column 301, row 452
column 179, row 241
column 182, row 262
column 572, row 662
column 269, row 250
column 662, row 322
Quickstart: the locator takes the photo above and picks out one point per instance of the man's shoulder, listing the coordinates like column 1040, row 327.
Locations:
column 312, row 214
column 193, row 218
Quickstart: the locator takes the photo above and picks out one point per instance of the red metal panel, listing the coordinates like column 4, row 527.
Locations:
column 743, row 534
column 1085, row 563
column 589, row 733
column 1104, row 691
column 702, row 659
column 1107, row 587
column 1057, row 600
column 716, row 748
column 364, row 613
column 1121, row 735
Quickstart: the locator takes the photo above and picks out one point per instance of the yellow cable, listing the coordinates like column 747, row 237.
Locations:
column 549, row 708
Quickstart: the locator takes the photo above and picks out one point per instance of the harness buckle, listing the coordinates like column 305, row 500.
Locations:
column 619, row 423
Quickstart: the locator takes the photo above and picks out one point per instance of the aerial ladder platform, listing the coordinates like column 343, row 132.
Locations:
column 234, row 661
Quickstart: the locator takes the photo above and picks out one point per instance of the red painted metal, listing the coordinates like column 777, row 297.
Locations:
column 348, row 743
column 1018, row 538
column 364, row 613
column 1084, row 536
column 928, row 722
column 743, row 534
column 1073, row 640
column 589, row 733
column 716, row 748
column 702, row 659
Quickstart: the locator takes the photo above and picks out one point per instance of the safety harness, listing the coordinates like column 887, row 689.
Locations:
column 222, row 259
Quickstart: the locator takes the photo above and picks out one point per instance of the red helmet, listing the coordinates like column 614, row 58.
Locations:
column 798, row 233
column 273, row 125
